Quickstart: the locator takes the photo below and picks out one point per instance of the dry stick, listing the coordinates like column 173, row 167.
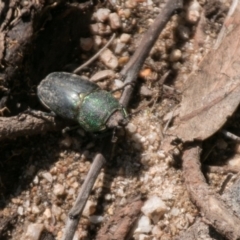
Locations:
column 132, row 68
column 130, row 72
column 77, row 70
column 211, row 205
column 76, row 211
column 231, row 136
column 27, row 124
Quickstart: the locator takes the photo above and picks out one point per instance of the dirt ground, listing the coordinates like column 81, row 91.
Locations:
column 40, row 175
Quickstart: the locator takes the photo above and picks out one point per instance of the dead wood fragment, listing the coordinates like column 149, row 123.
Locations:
column 213, row 93
column 211, row 206
column 27, row 124
column 119, row 225
column 132, row 68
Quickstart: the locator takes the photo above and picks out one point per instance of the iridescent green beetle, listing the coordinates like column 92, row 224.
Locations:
column 72, row 97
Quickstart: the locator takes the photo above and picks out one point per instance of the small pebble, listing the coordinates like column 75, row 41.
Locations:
column 109, row 59
column 146, row 92
column 175, row 55
column 193, row 12
column 123, row 60
column 125, row 38
column 104, row 74
column 100, row 28
column 143, row 237
column 89, row 208
column 97, row 41
column 95, row 219
column 20, row 210
column 58, row 190
column 35, row 210
column 117, row 84
column 143, row 225
column 124, row 13
column 131, row 128
column 56, row 211
column 34, row 231
column 114, row 21
column 47, row 213
column 154, row 208
column 102, row 14
column 131, row 3
column 47, row 176
column 36, row 180
column 119, row 48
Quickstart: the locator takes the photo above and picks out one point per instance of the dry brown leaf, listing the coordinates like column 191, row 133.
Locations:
column 213, row 92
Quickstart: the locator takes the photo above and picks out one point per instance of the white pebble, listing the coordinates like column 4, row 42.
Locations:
column 56, row 211
column 175, row 55
column 95, row 219
column 102, row 14
column 119, row 48
column 143, row 237
column 34, row 231
column 20, row 210
column 47, row 176
column 136, row 137
column 125, row 38
column 193, row 12
column 47, row 213
column 36, row 180
column 131, row 3
column 59, row 190
column 100, row 28
column 154, row 208
column 131, row 127
column 175, row 211
column 89, row 208
column 117, row 84
column 109, row 59
column 102, row 75
column 97, row 40
column 153, row 137
column 114, row 21
column 35, row 210
column 143, row 225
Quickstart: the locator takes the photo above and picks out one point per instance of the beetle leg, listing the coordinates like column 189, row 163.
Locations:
column 120, row 88
column 67, row 129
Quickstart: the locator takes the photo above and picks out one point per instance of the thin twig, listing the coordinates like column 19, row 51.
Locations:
column 77, row 70
column 132, row 68
column 231, row 136
column 76, row 211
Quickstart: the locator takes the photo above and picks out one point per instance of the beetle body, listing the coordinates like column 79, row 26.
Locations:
column 72, row 97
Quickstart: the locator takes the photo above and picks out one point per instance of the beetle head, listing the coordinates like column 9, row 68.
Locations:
column 117, row 120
